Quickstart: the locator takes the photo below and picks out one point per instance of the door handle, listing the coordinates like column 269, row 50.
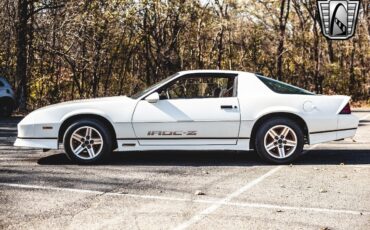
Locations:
column 226, row 106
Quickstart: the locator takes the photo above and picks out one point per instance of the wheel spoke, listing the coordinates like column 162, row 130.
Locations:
column 97, row 141
column 282, row 152
column 78, row 150
column 285, row 132
column 272, row 133
column 91, row 152
column 77, row 137
column 290, row 143
column 88, row 131
column 270, row 146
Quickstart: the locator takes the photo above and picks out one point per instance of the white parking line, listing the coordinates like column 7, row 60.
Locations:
column 209, row 201
column 284, row 207
column 18, row 158
column 358, row 166
column 26, row 186
column 199, row 216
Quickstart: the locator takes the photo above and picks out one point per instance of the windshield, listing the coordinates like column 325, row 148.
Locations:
column 281, row 87
column 141, row 93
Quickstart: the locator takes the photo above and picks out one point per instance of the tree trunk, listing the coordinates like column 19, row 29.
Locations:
column 282, row 25
column 330, row 51
column 21, row 68
column 220, row 48
column 147, row 50
column 352, row 79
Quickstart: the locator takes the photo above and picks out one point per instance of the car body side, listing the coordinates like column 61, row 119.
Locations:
column 318, row 116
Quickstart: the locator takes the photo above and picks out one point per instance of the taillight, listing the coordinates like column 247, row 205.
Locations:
column 346, row 109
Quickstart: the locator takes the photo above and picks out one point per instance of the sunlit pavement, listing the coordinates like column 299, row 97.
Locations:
column 327, row 187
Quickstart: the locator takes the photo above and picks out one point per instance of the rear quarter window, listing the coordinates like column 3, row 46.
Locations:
column 281, row 87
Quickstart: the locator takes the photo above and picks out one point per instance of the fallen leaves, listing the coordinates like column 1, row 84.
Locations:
column 199, row 193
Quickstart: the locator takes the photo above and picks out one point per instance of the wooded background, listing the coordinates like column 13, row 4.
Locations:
column 58, row 50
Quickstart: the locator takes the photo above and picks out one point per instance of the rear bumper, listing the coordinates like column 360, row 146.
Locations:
column 46, row 143
column 346, row 133
column 345, row 128
column 331, row 135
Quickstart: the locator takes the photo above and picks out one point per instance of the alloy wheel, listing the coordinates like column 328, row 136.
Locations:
column 280, row 141
column 86, row 142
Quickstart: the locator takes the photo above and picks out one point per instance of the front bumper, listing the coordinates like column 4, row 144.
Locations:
column 35, row 132
column 47, row 143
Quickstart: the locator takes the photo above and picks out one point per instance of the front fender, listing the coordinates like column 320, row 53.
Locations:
column 85, row 111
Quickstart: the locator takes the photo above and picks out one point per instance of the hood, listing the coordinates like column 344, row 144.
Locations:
column 106, row 107
column 90, row 101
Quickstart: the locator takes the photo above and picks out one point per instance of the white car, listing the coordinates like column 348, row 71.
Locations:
column 7, row 100
column 194, row 110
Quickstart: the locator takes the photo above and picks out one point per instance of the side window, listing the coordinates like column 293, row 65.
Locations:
column 281, row 87
column 1, row 84
column 203, row 86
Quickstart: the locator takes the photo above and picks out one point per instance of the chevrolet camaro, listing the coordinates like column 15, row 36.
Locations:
column 193, row 110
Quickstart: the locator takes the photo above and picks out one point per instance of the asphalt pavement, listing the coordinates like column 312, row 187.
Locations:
column 327, row 188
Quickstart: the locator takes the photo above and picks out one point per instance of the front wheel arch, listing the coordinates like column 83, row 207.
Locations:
column 291, row 116
column 69, row 121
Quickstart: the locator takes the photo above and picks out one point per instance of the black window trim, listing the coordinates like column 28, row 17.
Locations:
column 302, row 91
column 209, row 74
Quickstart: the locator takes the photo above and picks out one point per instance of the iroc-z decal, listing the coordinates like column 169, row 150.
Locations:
column 172, row 133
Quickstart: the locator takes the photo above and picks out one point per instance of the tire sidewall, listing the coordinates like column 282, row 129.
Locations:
column 106, row 136
column 259, row 141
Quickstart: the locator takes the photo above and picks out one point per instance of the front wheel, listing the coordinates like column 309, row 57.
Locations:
column 279, row 141
column 87, row 141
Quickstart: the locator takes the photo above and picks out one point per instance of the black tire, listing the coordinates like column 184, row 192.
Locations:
column 84, row 157
column 6, row 107
column 262, row 132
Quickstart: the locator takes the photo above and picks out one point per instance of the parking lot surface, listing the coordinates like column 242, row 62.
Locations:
column 328, row 187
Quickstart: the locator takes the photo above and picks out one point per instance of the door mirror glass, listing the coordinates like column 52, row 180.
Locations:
column 152, row 98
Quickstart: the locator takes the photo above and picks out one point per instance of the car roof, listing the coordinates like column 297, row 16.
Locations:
column 211, row 71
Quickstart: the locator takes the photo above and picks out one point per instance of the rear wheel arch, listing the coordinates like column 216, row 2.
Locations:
column 69, row 121
column 291, row 116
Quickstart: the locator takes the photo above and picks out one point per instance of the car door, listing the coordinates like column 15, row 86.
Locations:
column 194, row 109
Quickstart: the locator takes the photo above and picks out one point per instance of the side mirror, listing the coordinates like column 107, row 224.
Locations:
column 152, row 98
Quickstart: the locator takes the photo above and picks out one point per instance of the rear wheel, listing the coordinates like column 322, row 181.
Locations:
column 87, row 142
column 6, row 107
column 279, row 140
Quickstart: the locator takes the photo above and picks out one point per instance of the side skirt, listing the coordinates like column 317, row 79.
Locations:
column 133, row 145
